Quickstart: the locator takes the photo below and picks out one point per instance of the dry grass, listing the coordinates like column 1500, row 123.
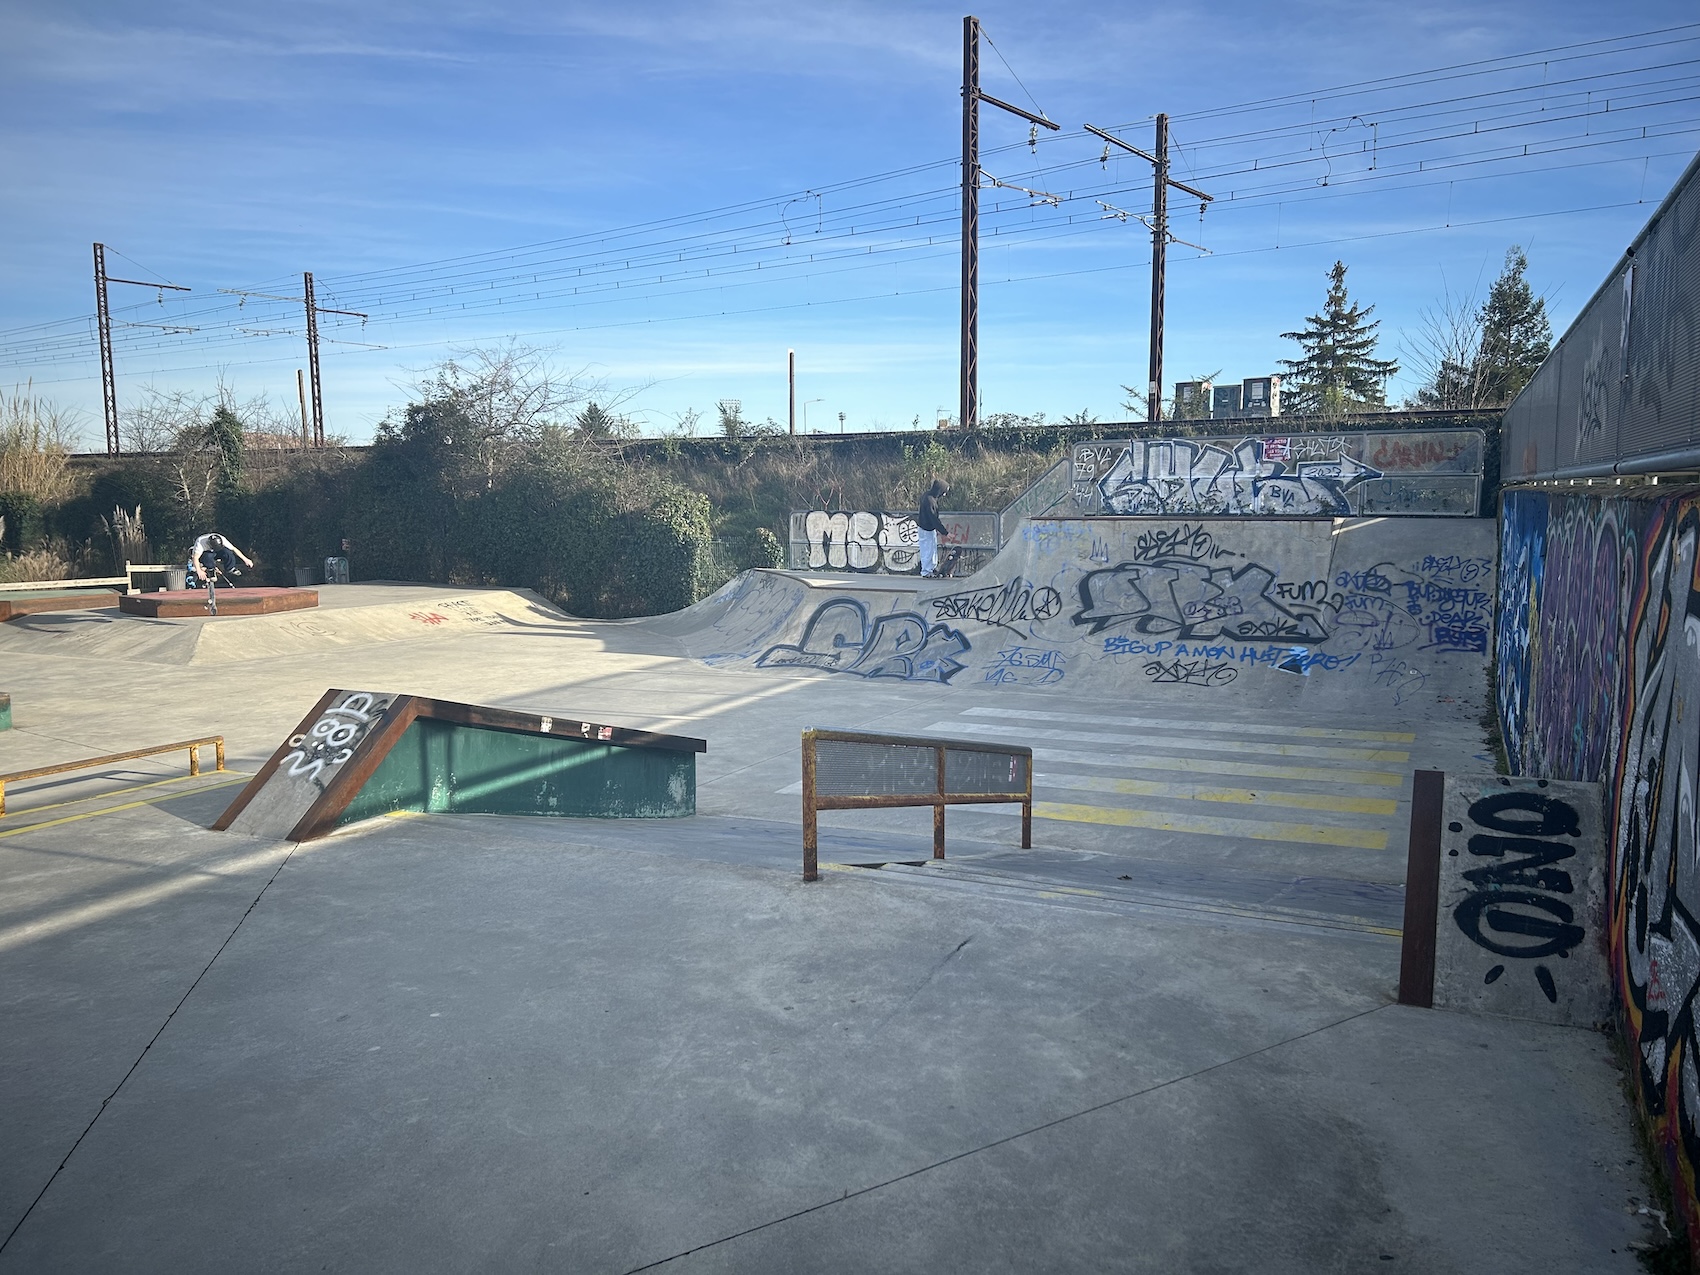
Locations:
column 37, row 564
column 36, row 441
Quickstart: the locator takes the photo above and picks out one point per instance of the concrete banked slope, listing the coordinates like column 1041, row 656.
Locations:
column 1302, row 613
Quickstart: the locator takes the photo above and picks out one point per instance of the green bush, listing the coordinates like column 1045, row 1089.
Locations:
column 25, row 523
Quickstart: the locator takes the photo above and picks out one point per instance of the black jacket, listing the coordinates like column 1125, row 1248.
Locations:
column 929, row 517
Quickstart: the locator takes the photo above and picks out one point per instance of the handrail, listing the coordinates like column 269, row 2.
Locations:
column 193, row 745
column 939, row 796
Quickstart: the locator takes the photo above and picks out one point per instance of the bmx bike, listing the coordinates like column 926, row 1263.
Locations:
column 211, row 577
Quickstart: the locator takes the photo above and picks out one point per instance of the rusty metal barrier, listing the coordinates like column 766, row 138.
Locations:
column 193, row 745
column 858, row 770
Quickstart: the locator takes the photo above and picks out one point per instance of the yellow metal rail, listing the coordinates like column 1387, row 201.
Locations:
column 193, row 745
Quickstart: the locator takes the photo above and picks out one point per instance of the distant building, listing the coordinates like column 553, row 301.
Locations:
column 1256, row 396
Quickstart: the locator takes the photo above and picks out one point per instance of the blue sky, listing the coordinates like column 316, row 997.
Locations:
column 404, row 152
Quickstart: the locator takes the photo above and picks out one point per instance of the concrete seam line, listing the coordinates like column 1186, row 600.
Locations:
column 998, row 1142
column 152, row 1040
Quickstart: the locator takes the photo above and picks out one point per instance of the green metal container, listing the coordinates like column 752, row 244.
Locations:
column 442, row 767
column 5, row 711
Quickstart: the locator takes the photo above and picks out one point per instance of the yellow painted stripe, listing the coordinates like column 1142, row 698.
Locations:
column 127, row 788
column 1237, row 796
column 129, row 805
column 1214, row 825
column 1162, row 725
column 1189, row 741
column 1213, row 766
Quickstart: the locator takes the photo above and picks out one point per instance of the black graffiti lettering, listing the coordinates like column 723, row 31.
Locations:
column 1183, row 599
column 1554, row 817
column 1190, row 673
column 1007, row 605
column 1529, row 871
column 1546, row 923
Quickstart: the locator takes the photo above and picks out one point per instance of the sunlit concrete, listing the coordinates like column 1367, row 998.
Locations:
column 442, row 1043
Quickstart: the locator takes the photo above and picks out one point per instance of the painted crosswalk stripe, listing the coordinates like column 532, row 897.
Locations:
column 1170, row 764
column 1204, row 825
column 1198, row 792
column 1187, row 740
column 1229, row 728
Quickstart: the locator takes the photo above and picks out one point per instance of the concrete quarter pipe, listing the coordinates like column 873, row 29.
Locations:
column 1311, row 611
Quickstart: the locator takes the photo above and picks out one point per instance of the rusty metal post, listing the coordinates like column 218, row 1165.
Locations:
column 938, row 812
column 1027, row 810
column 218, row 749
column 194, row 760
column 811, row 853
column 2, row 798
column 1422, row 890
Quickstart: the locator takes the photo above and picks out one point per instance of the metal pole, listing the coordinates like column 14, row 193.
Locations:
column 301, row 394
column 1159, row 261
column 938, row 812
column 811, row 859
column 1027, row 810
column 108, row 383
column 791, row 383
column 969, row 398
column 313, row 360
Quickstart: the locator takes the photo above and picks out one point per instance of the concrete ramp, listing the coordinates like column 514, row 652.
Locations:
column 348, row 616
column 1312, row 612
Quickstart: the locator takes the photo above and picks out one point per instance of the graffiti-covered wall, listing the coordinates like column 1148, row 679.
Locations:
column 1316, row 609
column 1598, row 654
column 1406, row 472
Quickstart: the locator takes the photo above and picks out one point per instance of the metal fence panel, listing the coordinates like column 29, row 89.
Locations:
column 854, row 769
column 981, row 772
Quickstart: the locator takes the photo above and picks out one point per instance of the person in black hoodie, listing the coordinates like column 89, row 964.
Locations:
column 931, row 525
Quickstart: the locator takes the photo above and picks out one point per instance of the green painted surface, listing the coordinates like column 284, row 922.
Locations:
column 5, row 711
column 442, row 767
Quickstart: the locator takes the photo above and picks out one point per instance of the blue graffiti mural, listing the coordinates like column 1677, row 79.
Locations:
column 840, row 638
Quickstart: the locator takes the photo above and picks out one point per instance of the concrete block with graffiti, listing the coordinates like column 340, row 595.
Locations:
column 1521, row 927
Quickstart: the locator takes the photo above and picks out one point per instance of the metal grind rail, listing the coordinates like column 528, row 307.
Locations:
column 858, row 770
column 193, row 746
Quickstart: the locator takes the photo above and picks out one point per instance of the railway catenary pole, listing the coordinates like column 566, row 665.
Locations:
column 1161, row 181
column 103, row 321
column 314, row 310
column 968, row 398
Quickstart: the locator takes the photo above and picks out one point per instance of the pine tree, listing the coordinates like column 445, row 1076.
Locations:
column 1515, row 334
column 1338, row 371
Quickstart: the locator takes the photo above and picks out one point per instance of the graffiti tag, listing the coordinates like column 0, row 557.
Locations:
column 840, row 638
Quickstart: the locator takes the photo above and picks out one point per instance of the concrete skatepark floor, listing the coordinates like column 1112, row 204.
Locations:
column 1163, row 1040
